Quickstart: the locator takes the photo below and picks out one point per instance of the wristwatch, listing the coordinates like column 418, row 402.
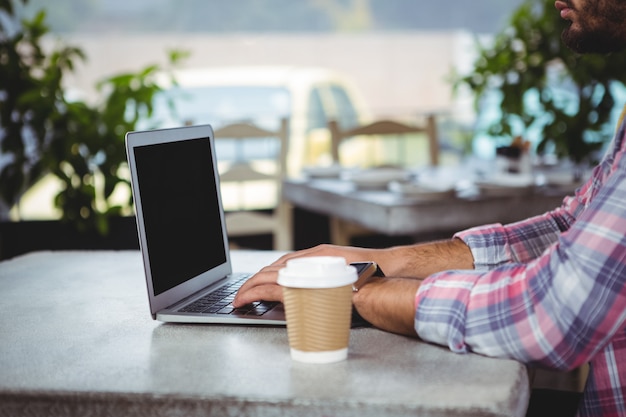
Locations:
column 365, row 270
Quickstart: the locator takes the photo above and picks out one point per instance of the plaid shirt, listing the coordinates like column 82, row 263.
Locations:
column 549, row 291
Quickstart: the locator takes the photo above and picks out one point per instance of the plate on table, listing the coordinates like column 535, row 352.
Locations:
column 377, row 178
column 420, row 191
column 562, row 181
column 506, row 184
column 330, row 171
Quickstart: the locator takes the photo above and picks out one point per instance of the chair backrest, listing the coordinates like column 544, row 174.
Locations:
column 250, row 174
column 385, row 128
column 252, row 167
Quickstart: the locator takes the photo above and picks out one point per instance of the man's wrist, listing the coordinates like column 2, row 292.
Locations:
column 388, row 303
column 364, row 292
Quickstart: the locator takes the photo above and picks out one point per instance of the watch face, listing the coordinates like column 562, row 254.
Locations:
column 365, row 270
column 368, row 268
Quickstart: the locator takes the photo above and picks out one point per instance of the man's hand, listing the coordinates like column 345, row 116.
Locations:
column 263, row 286
column 386, row 303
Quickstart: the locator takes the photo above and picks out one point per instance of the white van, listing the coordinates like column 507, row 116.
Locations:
column 307, row 96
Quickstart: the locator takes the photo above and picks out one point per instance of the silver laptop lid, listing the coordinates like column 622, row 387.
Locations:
column 180, row 220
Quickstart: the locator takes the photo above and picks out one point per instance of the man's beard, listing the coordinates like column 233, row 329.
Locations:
column 598, row 41
column 600, row 31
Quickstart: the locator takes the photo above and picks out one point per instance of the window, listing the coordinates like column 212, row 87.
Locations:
column 346, row 113
column 316, row 116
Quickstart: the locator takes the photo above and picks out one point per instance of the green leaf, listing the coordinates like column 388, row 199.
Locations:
column 526, row 57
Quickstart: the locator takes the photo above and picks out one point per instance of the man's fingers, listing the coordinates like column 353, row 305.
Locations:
column 267, row 275
column 267, row 292
column 261, row 286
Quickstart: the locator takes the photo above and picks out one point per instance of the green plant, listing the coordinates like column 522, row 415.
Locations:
column 41, row 131
column 31, row 99
column 545, row 87
column 89, row 154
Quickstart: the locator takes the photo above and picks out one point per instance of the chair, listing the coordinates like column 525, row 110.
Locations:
column 342, row 231
column 251, row 172
column 383, row 130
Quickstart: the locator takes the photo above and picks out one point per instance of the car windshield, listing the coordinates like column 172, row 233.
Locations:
column 220, row 105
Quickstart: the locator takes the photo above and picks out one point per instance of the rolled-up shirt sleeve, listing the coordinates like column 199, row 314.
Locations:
column 494, row 245
column 546, row 291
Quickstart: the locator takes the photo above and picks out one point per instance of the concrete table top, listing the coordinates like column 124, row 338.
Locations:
column 77, row 339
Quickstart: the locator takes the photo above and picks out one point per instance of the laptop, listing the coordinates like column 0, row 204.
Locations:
column 182, row 233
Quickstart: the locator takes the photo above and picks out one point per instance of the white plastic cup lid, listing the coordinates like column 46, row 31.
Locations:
column 317, row 272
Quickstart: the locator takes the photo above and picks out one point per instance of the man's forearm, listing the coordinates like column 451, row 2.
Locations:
column 389, row 303
column 424, row 259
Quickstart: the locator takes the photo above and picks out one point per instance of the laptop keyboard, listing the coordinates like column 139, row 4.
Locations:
column 220, row 302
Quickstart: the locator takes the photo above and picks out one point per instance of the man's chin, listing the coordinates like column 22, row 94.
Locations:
column 586, row 43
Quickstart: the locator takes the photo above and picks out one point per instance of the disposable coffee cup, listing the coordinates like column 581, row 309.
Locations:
column 318, row 304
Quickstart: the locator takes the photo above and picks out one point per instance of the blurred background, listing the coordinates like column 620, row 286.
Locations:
column 398, row 56
column 400, row 53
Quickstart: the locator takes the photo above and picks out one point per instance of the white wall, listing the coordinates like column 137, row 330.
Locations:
column 398, row 73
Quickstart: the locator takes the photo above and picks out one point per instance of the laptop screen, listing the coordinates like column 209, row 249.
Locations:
column 182, row 225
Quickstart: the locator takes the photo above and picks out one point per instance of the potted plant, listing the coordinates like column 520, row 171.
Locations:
column 89, row 155
column 43, row 132
column 31, row 99
column 566, row 99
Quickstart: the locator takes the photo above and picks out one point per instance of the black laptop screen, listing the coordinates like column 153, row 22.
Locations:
column 180, row 208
